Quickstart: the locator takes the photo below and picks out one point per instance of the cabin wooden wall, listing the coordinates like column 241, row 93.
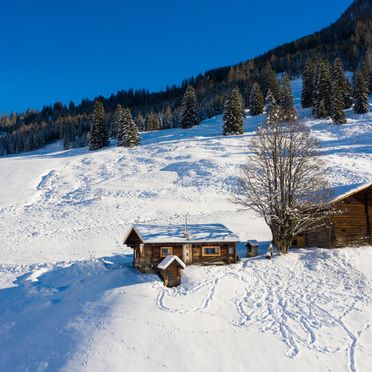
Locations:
column 149, row 258
column 225, row 256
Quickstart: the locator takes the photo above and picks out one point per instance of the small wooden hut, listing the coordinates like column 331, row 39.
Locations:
column 197, row 244
column 351, row 226
column 170, row 270
column 252, row 248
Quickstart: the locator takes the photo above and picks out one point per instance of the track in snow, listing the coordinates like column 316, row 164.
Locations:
column 299, row 298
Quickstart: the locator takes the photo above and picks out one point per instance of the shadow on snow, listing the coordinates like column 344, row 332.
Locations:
column 53, row 307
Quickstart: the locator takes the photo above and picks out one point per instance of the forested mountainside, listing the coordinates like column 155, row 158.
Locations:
column 349, row 39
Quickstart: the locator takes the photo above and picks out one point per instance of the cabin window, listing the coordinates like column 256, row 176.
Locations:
column 166, row 251
column 210, row 251
column 231, row 250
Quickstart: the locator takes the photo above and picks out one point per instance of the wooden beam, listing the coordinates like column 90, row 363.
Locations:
column 368, row 222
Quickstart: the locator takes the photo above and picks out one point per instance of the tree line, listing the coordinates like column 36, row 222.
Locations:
column 348, row 39
column 329, row 93
column 326, row 90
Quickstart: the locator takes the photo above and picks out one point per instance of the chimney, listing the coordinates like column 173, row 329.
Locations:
column 186, row 233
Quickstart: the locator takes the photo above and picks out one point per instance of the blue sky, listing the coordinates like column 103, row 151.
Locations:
column 63, row 50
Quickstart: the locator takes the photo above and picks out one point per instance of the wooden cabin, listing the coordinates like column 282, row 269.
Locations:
column 197, row 244
column 350, row 227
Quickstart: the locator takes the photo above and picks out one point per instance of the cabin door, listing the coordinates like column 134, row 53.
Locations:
column 187, row 254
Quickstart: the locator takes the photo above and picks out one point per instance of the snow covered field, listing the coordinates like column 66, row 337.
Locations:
column 69, row 299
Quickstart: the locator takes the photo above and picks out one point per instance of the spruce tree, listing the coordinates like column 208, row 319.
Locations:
column 338, row 113
column 269, row 81
column 98, row 131
column 157, row 122
column 274, row 112
column 319, row 110
column 116, row 122
column 256, row 101
column 367, row 69
column 189, row 108
column 307, row 85
column 233, row 115
column 360, row 93
column 168, row 118
column 270, row 100
column 343, row 83
column 322, row 93
column 286, row 100
column 128, row 135
column 150, row 122
column 141, row 123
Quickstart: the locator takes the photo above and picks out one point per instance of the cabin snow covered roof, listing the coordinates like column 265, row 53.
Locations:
column 168, row 260
column 197, row 233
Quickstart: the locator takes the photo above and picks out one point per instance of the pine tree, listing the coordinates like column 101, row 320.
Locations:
column 157, row 122
column 168, row 118
column 269, row 81
column 286, row 100
column 307, row 85
column 256, row 102
column 360, row 93
column 338, row 113
column 189, row 108
column 233, row 116
column 319, row 110
column 322, row 94
column 141, row 123
column 98, row 132
column 116, row 122
column 367, row 69
column 343, row 83
column 128, row 135
column 270, row 100
column 150, row 122
column 274, row 112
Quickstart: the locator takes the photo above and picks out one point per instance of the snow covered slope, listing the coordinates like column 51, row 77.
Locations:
column 70, row 300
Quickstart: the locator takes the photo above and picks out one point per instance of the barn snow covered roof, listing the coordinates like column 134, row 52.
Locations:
column 168, row 260
column 338, row 193
column 341, row 192
column 176, row 233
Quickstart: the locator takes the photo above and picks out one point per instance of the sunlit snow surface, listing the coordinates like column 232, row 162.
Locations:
column 69, row 299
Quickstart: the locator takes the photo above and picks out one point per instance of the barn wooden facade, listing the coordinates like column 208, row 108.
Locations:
column 350, row 227
column 198, row 244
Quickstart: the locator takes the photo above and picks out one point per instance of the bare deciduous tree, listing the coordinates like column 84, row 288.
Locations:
column 284, row 183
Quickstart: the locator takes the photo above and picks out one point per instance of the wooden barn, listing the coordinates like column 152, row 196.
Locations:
column 350, row 227
column 198, row 244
